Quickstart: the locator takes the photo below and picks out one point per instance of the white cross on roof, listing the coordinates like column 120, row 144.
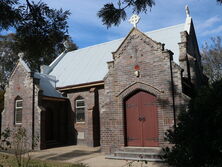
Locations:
column 134, row 20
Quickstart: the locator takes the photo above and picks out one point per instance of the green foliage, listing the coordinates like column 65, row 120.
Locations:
column 21, row 146
column 17, row 142
column 112, row 15
column 197, row 139
column 4, row 140
column 8, row 58
column 40, row 33
column 9, row 15
column 212, row 59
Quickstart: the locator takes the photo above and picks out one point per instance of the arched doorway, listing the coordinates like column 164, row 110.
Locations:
column 141, row 120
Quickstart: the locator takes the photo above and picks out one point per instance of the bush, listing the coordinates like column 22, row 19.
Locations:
column 197, row 138
column 4, row 140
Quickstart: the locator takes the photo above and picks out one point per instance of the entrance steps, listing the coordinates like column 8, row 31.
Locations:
column 150, row 154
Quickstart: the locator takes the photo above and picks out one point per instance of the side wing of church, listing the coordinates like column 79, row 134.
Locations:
column 120, row 94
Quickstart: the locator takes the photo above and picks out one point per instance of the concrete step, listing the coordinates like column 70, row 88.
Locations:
column 137, row 155
column 151, row 154
column 142, row 149
column 134, row 159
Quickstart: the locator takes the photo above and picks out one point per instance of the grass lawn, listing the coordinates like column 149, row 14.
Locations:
column 10, row 161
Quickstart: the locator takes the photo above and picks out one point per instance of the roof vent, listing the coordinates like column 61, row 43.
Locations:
column 44, row 69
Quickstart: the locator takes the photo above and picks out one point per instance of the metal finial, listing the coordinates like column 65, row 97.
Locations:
column 21, row 55
column 66, row 44
column 187, row 11
column 134, row 20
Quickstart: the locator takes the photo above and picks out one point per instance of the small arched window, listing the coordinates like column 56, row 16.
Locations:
column 18, row 110
column 80, row 109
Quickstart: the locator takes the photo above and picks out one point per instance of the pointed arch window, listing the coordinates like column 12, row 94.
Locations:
column 80, row 109
column 18, row 110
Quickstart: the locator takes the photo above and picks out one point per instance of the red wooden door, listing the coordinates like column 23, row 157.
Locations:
column 149, row 122
column 141, row 120
column 134, row 128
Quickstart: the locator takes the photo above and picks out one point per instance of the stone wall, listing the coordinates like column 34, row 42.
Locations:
column 190, row 58
column 88, row 132
column 154, row 77
column 21, row 85
column 139, row 64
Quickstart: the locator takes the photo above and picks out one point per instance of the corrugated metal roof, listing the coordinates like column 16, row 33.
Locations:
column 47, row 84
column 90, row 64
column 170, row 36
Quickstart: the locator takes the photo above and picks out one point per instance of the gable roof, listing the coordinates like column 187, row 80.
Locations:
column 90, row 64
column 47, row 84
column 23, row 64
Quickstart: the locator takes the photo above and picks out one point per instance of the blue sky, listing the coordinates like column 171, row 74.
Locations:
column 86, row 28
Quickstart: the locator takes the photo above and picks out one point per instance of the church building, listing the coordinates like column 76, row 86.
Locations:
column 119, row 95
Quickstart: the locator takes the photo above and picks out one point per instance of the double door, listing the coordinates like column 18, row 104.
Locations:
column 141, row 120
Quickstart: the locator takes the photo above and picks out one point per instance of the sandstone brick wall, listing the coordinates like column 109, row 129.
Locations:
column 88, row 132
column 104, row 105
column 155, row 77
column 21, row 84
column 190, row 58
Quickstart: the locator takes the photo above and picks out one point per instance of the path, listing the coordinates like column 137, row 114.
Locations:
column 90, row 156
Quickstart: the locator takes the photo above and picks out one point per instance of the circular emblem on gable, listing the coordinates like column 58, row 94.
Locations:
column 137, row 67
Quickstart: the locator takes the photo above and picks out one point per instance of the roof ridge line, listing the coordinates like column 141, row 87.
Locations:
column 97, row 44
column 122, row 38
column 169, row 27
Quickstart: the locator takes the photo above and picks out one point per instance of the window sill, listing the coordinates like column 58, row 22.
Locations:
column 80, row 122
column 17, row 124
